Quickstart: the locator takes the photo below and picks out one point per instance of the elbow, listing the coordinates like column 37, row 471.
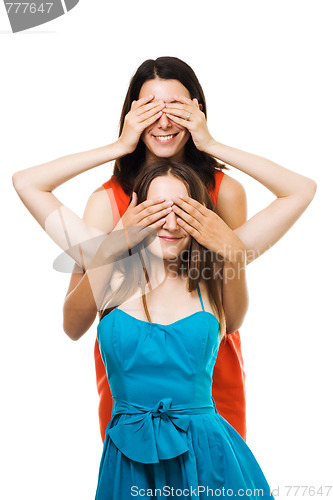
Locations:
column 75, row 323
column 22, row 181
column 312, row 189
column 72, row 327
column 18, row 181
column 71, row 332
column 233, row 326
column 309, row 191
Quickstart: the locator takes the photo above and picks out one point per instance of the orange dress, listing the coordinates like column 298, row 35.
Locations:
column 228, row 378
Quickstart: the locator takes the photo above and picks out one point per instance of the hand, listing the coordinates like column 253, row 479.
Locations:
column 142, row 114
column 118, row 244
column 148, row 213
column 208, row 229
column 139, row 223
column 196, row 123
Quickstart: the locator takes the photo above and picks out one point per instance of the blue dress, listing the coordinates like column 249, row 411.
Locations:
column 165, row 433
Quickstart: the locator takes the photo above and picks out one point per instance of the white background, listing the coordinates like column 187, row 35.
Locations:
column 265, row 67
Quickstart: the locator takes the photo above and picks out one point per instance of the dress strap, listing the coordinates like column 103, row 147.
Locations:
column 200, row 298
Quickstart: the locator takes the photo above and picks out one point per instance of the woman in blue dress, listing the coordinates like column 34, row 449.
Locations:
column 162, row 321
column 169, row 289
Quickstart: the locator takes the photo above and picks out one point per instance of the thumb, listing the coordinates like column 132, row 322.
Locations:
column 134, row 199
column 198, row 105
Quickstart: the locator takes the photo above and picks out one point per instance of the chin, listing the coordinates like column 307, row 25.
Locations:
column 164, row 152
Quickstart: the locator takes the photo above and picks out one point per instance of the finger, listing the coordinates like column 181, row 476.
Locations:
column 151, row 120
column 196, row 102
column 191, row 219
column 177, row 105
column 147, row 115
column 189, row 229
column 152, row 217
column 150, row 106
column 134, row 199
column 185, row 202
column 160, row 204
column 180, row 121
column 143, row 100
column 179, row 113
column 158, row 224
column 183, row 99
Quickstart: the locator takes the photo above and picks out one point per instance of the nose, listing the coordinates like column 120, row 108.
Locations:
column 171, row 223
column 164, row 122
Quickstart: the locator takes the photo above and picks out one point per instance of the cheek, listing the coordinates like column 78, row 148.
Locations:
column 144, row 134
column 187, row 242
column 186, row 135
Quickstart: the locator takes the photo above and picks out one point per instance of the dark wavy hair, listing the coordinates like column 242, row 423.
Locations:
column 127, row 168
column 197, row 261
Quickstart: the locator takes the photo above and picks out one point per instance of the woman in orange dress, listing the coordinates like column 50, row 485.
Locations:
column 164, row 116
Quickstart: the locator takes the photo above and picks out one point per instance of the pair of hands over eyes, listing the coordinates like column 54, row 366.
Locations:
column 204, row 225
column 146, row 111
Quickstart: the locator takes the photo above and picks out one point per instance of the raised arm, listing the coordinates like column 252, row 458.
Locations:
column 293, row 191
column 35, row 187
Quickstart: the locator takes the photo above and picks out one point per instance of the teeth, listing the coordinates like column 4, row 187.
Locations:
column 164, row 137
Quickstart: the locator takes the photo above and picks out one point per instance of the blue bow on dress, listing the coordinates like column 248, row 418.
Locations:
column 152, row 434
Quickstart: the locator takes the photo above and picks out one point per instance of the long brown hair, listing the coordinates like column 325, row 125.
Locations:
column 167, row 68
column 136, row 271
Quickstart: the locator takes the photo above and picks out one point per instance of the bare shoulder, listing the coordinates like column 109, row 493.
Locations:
column 231, row 202
column 231, row 189
column 98, row 210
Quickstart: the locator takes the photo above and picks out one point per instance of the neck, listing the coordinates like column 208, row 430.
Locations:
column 150, row 157
column 163, row 270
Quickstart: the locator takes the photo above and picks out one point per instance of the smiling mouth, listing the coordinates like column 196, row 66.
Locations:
column 169, row 238
column 164, row 139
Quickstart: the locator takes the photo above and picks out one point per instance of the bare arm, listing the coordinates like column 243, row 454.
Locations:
column 232, row 208
column 294, row 193
column 80, row 309
column 235, row 297
column 34, row 185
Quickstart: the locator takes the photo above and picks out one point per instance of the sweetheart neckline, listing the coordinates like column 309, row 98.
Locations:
column 160, row 324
